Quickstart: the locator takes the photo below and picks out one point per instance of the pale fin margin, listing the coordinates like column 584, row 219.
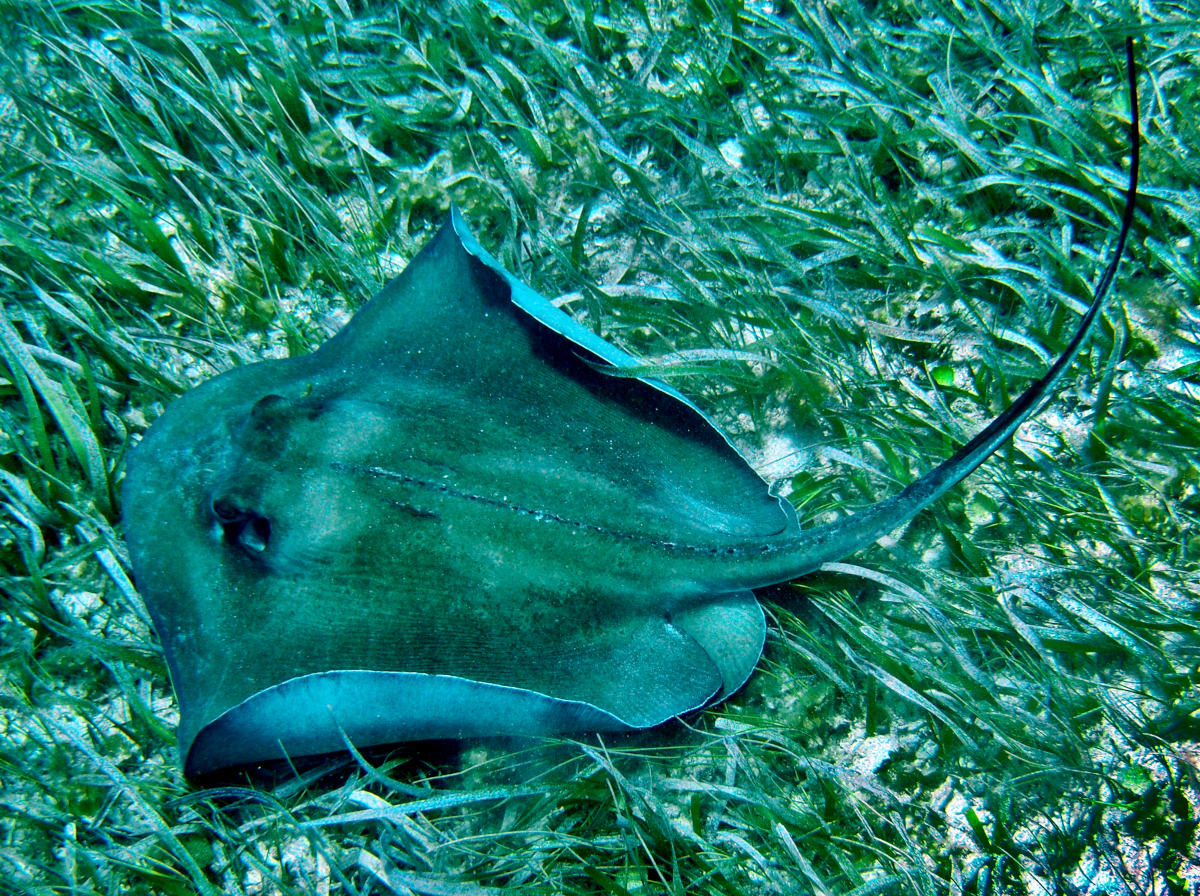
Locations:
column 314, row 714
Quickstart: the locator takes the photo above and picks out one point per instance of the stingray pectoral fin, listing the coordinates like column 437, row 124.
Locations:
column 653, row 669
column 308, row 715
column 732, row 630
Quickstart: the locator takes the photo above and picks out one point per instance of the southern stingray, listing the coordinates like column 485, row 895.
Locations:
column 449, row 521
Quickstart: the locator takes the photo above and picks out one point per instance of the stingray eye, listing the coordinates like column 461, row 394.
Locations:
column 242, row 527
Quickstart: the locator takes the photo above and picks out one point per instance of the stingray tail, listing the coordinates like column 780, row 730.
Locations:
column 839, row 539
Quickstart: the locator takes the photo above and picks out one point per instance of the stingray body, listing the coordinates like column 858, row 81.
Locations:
column 444, row 522
column 449, row 521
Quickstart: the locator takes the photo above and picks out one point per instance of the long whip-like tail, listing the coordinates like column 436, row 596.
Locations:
column 836, row 540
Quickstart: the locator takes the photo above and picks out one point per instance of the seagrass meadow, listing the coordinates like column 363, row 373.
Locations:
column 850, row 231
